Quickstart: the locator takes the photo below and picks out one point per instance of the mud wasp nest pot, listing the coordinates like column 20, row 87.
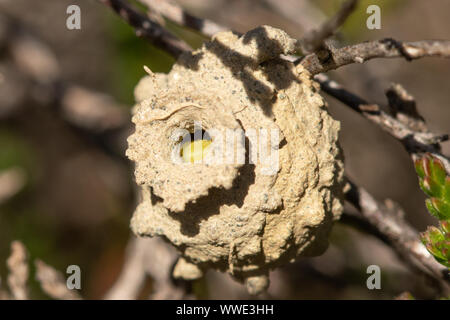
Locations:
column 244, row 216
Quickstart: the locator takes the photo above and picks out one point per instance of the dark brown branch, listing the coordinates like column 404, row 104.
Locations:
column 175, row 13
column 416, row 140
column 314, row 39
column 385, row 220
column 148, row 29
column 386, row 48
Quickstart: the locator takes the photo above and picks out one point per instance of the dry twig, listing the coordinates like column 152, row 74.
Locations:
column 18, row 271
column 386, row 48
column 53, row 282
column 313, row 40
column 174, row 12
column 132, row 278
column 416, row 141
column 147, row 256
column 148, row 29
column 386, row 221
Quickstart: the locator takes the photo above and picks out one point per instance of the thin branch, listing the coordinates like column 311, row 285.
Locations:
column 386, row 221
column 175, row 13
column 373, row 112
column 53, row 282
column 18, row 271
column 314, row 62
column 386, row 48
column 132, row 278
column 148, row 29
column 416, row 141
column 313, row 40
column 147, row 256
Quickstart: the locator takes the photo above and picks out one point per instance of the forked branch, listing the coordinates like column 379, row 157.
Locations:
column 386, row 48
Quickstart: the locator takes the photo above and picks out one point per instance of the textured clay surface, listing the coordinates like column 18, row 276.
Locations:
column 236, row 217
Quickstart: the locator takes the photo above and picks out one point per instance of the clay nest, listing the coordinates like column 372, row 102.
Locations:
column 242, row 217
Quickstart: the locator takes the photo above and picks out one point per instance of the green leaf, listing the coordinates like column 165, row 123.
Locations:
column 431, row 239
column 433, row 180
column 445, row 225
column 426, row 164
column 446, row 190
column 445, row 249
column 418, row 164
column 442, row 207
column 432, row 209
column 438, row 171
column 434, row 235
column 431, row 188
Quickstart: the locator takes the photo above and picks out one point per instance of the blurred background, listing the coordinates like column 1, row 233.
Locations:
column 67, row 191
